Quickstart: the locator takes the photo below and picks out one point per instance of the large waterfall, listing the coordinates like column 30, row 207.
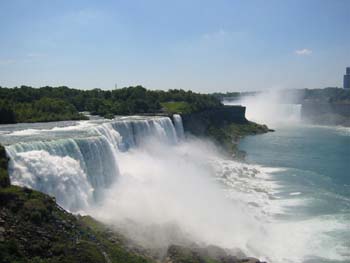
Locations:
column 143, row 177
column 140, row 174
column 78, row 169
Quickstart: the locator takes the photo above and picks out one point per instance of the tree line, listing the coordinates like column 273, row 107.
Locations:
column 28, row 104
column 327, row 95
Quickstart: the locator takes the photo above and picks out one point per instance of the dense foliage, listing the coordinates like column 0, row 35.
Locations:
column 27, row 104
column 327, row 95
column 228, row 95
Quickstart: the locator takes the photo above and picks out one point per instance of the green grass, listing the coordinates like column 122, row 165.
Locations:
column 177, row 107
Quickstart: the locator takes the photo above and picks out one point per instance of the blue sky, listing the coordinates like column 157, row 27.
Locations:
column 203, row 45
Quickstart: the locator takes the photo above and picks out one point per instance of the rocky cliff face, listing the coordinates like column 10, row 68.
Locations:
column 225, row 126
column 198, row 123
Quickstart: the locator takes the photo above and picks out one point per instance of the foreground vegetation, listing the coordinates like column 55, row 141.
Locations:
column 228, row 136
column 27, row 104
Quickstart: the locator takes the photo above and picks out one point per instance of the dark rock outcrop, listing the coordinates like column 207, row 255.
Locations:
column 4, row 177
column 210, row 254
column 225, row 126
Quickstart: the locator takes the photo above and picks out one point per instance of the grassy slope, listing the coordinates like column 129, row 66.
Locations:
column 35, row 229
column 176, row 107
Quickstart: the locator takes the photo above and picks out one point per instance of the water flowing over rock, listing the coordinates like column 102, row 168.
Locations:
column 77, row 170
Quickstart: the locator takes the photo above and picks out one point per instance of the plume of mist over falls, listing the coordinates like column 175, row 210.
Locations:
column 158, row 187
column 166, row 196
column 272, row 107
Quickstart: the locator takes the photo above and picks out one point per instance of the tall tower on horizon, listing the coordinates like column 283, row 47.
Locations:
column 347, row 79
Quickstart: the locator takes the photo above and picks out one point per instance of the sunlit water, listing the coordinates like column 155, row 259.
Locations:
column 314, row 182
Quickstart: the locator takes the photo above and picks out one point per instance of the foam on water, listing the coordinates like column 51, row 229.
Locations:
column 295, row 193
column 284, row 239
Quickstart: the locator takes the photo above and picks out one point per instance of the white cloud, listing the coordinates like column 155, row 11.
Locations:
column 303, row 52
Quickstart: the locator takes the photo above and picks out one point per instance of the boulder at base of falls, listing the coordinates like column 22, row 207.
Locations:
column 4, row 177
column 209, row 254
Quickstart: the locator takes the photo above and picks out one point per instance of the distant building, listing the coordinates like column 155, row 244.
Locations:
column 347, row 79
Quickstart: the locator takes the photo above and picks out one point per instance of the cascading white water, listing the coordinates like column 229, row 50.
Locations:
column 62, row 177
column 78, row 170
column 178, row 126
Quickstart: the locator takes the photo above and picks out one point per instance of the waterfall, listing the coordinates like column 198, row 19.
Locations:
column 78, row 170
column 178, row 125
column 271, row 107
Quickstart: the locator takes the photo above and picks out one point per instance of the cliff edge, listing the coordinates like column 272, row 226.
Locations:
column 225, row 126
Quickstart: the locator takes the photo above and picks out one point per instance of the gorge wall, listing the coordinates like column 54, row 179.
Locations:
column 326, row 113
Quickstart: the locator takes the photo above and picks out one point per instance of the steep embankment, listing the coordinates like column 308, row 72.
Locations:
column 225, row 126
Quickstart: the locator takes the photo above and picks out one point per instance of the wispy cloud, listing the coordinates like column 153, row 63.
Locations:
column 303, row 52
column 7, row 61
column 214, row 35
column 35, row 55
column 27, row 58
